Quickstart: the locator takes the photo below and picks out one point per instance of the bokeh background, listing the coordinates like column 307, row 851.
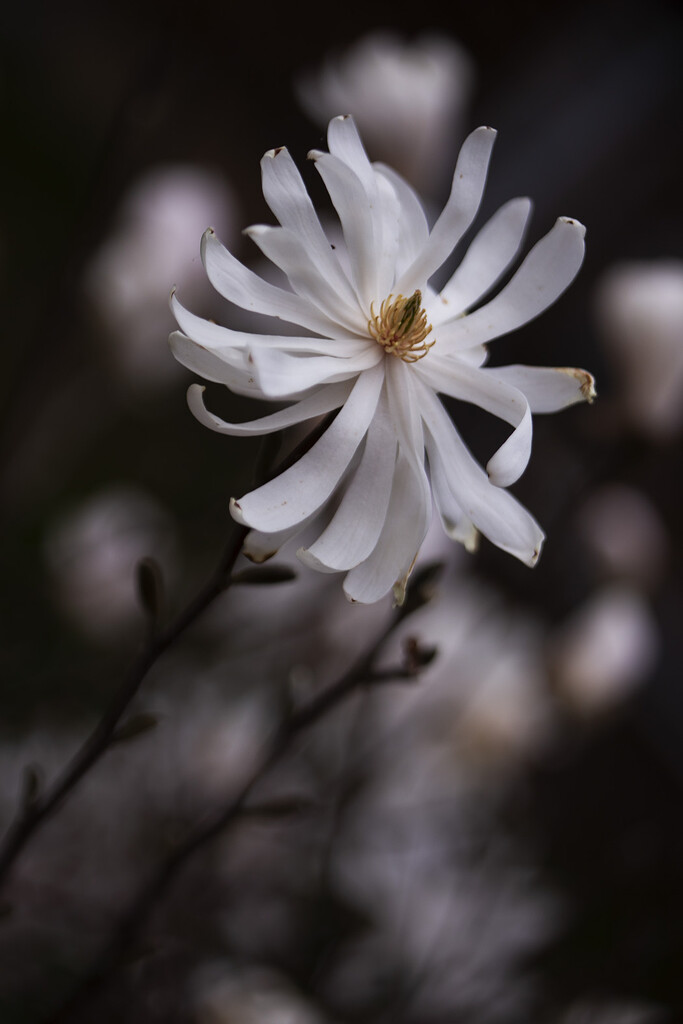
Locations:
column 520, row 862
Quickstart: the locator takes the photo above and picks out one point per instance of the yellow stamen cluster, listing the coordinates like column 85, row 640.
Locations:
column 401, row 327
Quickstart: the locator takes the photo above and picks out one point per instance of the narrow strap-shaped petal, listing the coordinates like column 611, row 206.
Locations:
column 355, row 527
column 304, row 487
column 259, row 547
column 247, row 290
column 548, row 388
column 413, row 226
column 358, row 213
column 318, row 404
column 459, row 212
column 222, row 340
column 547, row 271
column 281, row 375
column 288, row 198
column 345, row 143
column 490, row 254
column 394, row 555
column 493, row 510
column 285, row 250
column 454, row 521
column 498, row 397
column 233, row 371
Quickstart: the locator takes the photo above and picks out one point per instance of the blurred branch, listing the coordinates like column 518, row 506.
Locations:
column 34, row 812
column 361, row 674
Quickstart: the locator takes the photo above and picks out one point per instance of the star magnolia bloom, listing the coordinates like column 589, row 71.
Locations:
column 378, row 344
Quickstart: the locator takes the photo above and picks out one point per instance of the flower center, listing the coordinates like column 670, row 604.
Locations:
column 401, row 327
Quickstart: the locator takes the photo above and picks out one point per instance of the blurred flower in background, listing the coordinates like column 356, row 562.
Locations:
column 409, row 99
column 151, row 248
column 92, row 553
column 640, row 313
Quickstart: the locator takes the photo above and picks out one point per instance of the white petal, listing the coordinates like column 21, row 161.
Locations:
column 281, row 375
column 546, row 272
column 284, row 249
column 247, row 290
column 345, row 144
column 358, row 213
column 286, row 195
column 355, row 527
column 304, row 487
column 259, row 547
column 488, row 257
column 454, row 521
column 223, row 340
column 459, row 212
column 231, row 370
column 404, row 530
column 322, row 401
column 493, row 510
column 548, row 388
column 480, row 387
column 414, row 229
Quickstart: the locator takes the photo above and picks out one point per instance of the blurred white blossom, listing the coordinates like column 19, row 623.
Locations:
column 605, row 650
column 249, row 997
column 150, row 248
column 640, row 312
column 379, row 359
column 625, row 534
column 92, row 552
column 408, row 98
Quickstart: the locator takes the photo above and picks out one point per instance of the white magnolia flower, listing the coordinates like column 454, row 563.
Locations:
column 378, row 345
column 408, row 99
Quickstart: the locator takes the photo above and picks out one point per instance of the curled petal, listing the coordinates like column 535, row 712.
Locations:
column 231, row 369
column 493, row 511
column 481, row 387
column 548, row 388
column 318, row 404
column 303, row 488
column 547, row 271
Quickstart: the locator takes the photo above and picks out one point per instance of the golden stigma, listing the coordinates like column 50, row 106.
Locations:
column 401, row 327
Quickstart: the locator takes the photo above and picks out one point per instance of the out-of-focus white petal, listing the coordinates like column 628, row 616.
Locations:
column 493, row 510
column 459, row 212
column 639, row 307
column 547, row 388
column 246, row 289
column 547, row 271
column 355, row 527
column 323, row 401
column 404, row 530
column 259, row 547
column 488, row 257
column 605, row 650
column 304, row 487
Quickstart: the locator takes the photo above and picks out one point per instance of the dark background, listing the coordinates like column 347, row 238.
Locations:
column 587, row 99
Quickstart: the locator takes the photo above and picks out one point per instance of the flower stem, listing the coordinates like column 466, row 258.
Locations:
column 360, row 674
